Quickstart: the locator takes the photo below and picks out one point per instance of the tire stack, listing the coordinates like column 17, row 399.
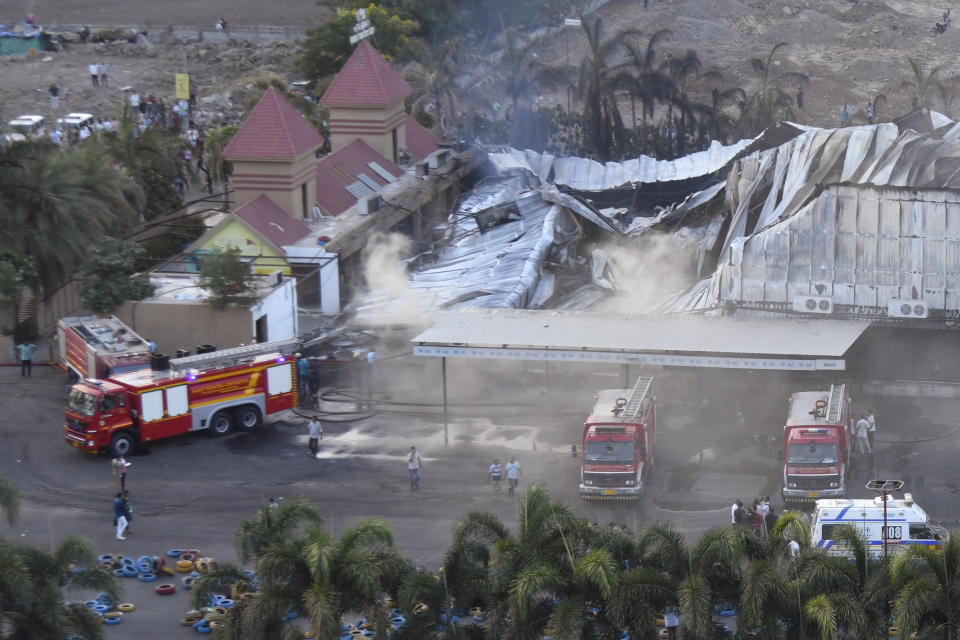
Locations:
column 105, row 607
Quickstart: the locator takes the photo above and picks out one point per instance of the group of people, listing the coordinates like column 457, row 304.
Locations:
column 846, row 112
column 122, row 511
column 759, row 516
column 99, row 74
column 511, row 470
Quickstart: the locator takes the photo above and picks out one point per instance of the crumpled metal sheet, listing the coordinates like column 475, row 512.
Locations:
column 583, row 174
column 859, row 215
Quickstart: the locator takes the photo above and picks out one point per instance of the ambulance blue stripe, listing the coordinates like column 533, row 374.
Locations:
column 863, row 520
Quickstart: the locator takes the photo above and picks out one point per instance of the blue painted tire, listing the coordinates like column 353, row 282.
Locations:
column 119, row 573
column 91, row 604
column 226, row 603
column 107, row 557
column 129, row 572
column 112, row 620
column 145, row 564
column 148, row 577
column 104, row 598
column 174, row 553
column 728, row 612
column 187, row 582
column 102, row 608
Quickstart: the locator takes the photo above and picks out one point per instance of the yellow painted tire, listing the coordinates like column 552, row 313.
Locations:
column 663, row 633
column 203, row 565
column 125, row 607
column 247, row 595
column 189, row 621
column 894, row 631
column 214, row 624
column 357, row 633
column 309, row 633
column 167, row 571
column 421, row 608
column 113, row 614
column 184, row 566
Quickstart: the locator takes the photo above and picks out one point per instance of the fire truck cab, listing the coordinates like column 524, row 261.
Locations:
column 618, row 440
column 215, row 391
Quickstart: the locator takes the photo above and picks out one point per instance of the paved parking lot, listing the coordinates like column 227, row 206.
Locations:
column 191, row 491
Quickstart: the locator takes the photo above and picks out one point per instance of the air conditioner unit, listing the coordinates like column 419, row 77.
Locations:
column 812, row 304
column 439, row 158
column 276, row 277
column 370, row 204
column 907, row 309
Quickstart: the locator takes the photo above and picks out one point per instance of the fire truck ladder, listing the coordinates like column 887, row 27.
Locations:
column 835, row 404
column 231, row 357
column 637, row 398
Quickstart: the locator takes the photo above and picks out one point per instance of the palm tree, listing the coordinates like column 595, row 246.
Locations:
column 927, row 579
column 602, row 123
column 32, row 581
column 920, row 83
column 770, row 103
column 645, row 79
column 680, row 69
column 150, row 158
column 57, row 203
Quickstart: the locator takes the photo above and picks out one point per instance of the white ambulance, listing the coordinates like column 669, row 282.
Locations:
column 907, row 524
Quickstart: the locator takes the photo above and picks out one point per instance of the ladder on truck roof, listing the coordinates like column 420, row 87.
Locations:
column 835, row 403
column 637, row 400
column 234, row 356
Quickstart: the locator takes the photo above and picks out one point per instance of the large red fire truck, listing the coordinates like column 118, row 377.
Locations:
column 618, row 442
column 215, row 391
column 816, row 445
column 92, row 347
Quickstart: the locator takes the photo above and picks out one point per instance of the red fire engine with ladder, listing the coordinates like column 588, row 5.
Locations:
column 618, row 440
column 216, row 391
column 816, row 445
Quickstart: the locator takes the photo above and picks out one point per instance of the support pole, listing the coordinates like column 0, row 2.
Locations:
column 446, row 415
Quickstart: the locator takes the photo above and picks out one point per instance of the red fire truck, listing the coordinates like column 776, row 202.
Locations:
column 618, row 442
column 816, row 445
column 92, row 347
column 214, row 391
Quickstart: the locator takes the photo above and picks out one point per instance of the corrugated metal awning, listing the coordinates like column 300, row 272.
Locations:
column 696, row 341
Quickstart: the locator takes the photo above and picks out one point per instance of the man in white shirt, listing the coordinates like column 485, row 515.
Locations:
column 315, row 433
column 872, row 430
column 94, row 74
column 861, row 429
column 513, row 475
column 737, row 504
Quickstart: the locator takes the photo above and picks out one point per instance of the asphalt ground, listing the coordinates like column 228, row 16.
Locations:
column 192, row 491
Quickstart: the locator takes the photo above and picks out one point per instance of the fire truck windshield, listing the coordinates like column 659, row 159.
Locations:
column 82, row 402
column 608, row 451
column 812, row 453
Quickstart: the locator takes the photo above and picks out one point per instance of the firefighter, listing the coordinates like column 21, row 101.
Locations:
column 862, row 430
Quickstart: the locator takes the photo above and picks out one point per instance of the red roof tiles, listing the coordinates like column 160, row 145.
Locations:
column 272, row 222
column 273, row 130
column 366, row 80
column 340, row 169
column 420, row 142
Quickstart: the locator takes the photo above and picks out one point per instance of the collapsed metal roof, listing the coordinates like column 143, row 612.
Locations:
column 860, row 220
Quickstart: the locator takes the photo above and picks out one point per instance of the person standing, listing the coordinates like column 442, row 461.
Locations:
column 120, row 513
column 495, row 474
column 870, row 112
column 94, row 74
column 126, row 503
column 303, row 377
column 414, row 465
column 315, row 432
column 861, row 429
column 872, row 429
column 120, row 471
column 54, row 96
column 671, row 621
column 103, row 69
column 736, row 512
column 25, row 352
column 800, row 97
column 513, row 475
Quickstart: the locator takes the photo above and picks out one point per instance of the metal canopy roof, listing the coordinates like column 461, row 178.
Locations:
column 696, row 341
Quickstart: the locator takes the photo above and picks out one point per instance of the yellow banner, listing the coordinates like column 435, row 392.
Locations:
column 183, row 86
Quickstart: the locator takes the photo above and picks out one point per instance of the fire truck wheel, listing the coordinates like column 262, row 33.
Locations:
column 221, row 424
column 247, row 418
column 121, row 445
